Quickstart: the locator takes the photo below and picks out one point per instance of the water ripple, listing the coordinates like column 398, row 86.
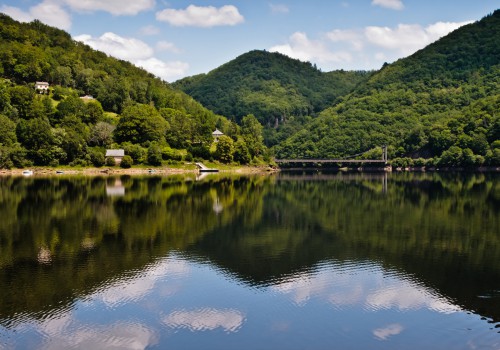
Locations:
column 205, row 319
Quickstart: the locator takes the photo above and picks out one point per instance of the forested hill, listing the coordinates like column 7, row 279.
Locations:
column 442, row 103
column 270, row 86
column 128, row 107
column 33, row 51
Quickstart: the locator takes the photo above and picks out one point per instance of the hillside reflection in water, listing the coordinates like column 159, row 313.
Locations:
column 354, row 261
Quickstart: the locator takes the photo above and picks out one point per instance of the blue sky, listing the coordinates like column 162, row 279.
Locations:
column 174, row 39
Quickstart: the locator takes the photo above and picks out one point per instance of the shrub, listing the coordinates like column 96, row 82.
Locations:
column 97, row 158
column 110, row 161
column 126, row 162
column 154, row 155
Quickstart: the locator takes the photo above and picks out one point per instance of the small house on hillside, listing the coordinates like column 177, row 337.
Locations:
column 216, row 134
column 117, row 154
column 42, row 87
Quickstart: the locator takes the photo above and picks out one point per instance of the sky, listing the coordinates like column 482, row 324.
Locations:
column 174, row 39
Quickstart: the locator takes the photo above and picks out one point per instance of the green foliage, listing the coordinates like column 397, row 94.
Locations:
column 110, row 161
column 101, row 134
column 154, row 154
column 33, row 51
column 270, row 86
column 251, row 131
column 137, row 152
column 126, row 162
column 7, row 131
column 140, row 124
column 168, row 153
column 224, row 149
column 97, row 157
column 440, row 102
column 241, row 154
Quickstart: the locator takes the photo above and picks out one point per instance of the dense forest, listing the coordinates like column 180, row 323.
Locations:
column 129, row 108
column 438, row 107
column 282, row 93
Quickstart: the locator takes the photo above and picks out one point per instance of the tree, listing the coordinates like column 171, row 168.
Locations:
column 7, row 131
column 154, row 154
column 110, row 161
column 452, row 157
column 92, row 112
column 241, row 154
column 21, row 98
column 75, row 137
column 225, row 149
column 97, row 157
column 62, row 76
column 140, row 124
column 137, row 152
column 35, row 133
column 71, row 105
column 251, row 131
column 101, row 134
column 181, row 127
column 126, row 162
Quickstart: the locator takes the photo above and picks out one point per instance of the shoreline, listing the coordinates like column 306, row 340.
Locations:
column 108, row 171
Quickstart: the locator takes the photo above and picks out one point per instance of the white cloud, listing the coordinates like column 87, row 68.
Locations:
column 364, row 48
column 279, row 8
column 137, row 52
column 408, row 38
column 390, row 4
column 168, row 71
column 129, row 49
column 167, row 46
column 115, row 7
column 150, row 30
column 353, row 37
column 372, row 289
column 386, row 332
column 206, row 319
column 114, row 336
column 300, row 47
column 47, row 12
column 52, row 14
column 16, row 13
column 440, row 29
column 198, row 16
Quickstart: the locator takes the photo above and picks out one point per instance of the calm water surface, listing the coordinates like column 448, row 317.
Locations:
column 309, row 261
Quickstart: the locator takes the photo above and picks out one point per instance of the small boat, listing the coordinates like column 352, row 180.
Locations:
column 27, row 172
column 59, row 172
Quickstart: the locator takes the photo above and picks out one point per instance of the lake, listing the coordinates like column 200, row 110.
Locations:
column 285, row 261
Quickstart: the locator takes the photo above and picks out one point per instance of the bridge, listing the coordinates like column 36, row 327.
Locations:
column 346, row 160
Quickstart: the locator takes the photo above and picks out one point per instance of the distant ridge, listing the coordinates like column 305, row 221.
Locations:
column 441, row 103
column 270, row 86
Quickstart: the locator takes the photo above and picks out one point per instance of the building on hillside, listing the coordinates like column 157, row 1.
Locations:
column 42, row 87
column 117, row 154
column 216, row 134
column 87, row 97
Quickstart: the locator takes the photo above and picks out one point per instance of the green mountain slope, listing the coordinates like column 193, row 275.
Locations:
column 33, row 51
column 270, row 86
column 441, row 102
column 145, row 115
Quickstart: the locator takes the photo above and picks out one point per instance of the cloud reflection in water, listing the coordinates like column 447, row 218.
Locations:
column 371, row 286
column 206, row 319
